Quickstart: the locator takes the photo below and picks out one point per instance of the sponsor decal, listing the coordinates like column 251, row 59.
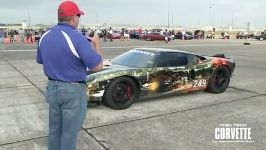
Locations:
column 233, row 133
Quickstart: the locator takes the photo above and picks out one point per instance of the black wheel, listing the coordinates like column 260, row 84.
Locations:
column 219, row 80
column 121, row 93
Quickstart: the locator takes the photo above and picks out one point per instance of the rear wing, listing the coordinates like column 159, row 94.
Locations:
column 219, row 55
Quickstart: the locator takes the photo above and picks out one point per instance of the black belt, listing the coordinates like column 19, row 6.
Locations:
column 83, row 82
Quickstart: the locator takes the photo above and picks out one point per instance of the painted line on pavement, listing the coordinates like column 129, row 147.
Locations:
column 142, row 46
column 138, row 46
column 28, row 50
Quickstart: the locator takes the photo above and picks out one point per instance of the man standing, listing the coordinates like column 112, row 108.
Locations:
column 1, row 35
column 21, row 35
column 110, row 34
column 65, row 55
column 183, row 34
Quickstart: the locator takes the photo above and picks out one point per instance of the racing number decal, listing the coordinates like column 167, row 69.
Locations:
column 200, row 83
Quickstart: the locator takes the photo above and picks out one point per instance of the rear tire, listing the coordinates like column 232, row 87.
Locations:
column 121, row 93
column 219, row 80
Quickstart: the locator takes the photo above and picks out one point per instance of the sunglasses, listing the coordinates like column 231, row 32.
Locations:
column 78, row 15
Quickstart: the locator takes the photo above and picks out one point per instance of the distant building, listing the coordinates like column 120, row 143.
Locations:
column 24, row 24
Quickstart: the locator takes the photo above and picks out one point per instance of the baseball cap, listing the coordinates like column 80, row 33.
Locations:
column 68, row 8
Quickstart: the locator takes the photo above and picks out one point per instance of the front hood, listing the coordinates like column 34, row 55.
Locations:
column 110, row 72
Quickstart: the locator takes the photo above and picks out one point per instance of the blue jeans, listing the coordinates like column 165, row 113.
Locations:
column 67, row 112
column 1, row 39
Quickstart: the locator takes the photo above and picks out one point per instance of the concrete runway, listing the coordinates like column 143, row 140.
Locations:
column 174, row 122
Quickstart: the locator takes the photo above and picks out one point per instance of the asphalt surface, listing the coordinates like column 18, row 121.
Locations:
column 171, row 122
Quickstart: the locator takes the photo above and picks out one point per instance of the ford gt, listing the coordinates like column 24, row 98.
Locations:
column 145, row 72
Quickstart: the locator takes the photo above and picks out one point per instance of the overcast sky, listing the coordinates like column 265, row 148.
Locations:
column 143, row 12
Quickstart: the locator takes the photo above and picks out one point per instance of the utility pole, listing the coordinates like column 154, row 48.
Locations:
column 248, row 26
column 232, row 19
column 210, row 16
column 168, row 18
column 97, row 19
column 163, row 22
column 173, row 20
column 29, row 16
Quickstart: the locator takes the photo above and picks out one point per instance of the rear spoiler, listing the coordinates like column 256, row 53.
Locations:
column 219, row 55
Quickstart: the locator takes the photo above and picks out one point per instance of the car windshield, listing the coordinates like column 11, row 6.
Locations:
column 136, row 58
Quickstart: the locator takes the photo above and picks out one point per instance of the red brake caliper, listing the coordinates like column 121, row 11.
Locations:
column 128, row 92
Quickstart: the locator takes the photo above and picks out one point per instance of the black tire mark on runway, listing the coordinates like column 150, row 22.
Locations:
column 244, row 90
column 98, row 141
column 20, row 141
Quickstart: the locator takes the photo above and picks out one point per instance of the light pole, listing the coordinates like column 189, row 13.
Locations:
column 233, row 19
column 163, row 22
column 97, row 19
column 211, row 17
column 168, row 18
column 173, row 20
column 29, row 16
column 210, row 7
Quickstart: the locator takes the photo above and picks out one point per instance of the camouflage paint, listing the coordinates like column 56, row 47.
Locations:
column 154, row 81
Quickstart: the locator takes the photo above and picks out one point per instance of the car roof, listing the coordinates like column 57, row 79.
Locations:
column 159, row 50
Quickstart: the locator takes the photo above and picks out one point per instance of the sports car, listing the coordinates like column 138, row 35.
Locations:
column 144, row 72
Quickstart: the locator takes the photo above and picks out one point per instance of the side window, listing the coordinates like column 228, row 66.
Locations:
column 172, row 59
column 192, row 59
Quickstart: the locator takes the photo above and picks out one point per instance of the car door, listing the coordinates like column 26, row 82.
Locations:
column 171, row 72
column 155, row 36
column 151, row 36
column 200, row 72
column 178, row 35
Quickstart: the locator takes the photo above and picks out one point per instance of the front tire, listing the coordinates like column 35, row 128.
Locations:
column 121, row 93
column 219, row 80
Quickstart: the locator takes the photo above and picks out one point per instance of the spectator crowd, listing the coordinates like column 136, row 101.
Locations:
column 8, row 36
column 20, row 36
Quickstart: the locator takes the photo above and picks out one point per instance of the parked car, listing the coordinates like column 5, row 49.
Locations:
column 225, row 35
column 261, row 37
column 145, row 72
column 153, row 36
column 134, row 35
column 116, row 35
column 210, row 35
column 244, row 35
column 199, row 34
column 188, row 35
column 37, row 36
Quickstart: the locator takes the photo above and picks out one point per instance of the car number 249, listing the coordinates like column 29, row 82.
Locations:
column 200, row 83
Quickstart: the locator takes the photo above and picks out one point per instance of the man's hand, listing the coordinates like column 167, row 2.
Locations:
column 94, row 40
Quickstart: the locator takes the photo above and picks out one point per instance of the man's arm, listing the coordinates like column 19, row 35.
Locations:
column 39, row 57
column 96, row 44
